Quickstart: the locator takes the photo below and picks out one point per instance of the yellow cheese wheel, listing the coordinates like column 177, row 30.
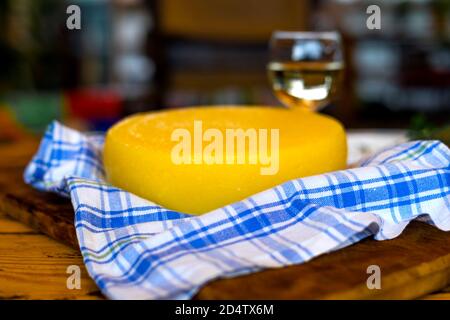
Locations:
column 198, row 159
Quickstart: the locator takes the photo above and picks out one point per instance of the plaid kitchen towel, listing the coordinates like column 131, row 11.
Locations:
column 135, row 249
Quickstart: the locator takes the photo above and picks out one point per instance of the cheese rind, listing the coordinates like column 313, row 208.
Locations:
column 139, row 153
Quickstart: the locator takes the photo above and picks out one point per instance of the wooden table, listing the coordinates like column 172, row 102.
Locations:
column 33, row 266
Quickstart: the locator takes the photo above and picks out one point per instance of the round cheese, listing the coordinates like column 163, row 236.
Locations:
column 198, row 159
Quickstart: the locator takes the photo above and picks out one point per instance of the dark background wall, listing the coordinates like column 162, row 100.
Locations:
column 135, row 55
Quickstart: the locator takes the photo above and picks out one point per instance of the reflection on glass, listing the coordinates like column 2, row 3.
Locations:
column 305, row 68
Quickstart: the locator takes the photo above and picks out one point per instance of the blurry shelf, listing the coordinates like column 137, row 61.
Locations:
column 217, row 79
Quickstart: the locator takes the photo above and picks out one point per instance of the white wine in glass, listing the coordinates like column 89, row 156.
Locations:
column 306, row 68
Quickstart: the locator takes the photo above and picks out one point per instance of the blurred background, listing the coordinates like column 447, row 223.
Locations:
column 137, row 55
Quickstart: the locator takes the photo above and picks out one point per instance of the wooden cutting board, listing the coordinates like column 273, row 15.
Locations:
column 412, row 265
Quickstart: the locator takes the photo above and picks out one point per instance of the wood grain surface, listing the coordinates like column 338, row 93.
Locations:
column 46, row 212
column 33, row 266
column 413, row 265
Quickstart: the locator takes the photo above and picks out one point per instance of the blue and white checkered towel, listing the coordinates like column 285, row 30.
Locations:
column 135, row 249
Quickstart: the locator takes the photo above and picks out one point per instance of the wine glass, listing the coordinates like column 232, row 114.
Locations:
column 305, row 68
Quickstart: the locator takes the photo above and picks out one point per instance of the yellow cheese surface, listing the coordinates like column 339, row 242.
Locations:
column 142, row 153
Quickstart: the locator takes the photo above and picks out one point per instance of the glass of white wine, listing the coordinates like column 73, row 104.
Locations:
column 305, row 68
